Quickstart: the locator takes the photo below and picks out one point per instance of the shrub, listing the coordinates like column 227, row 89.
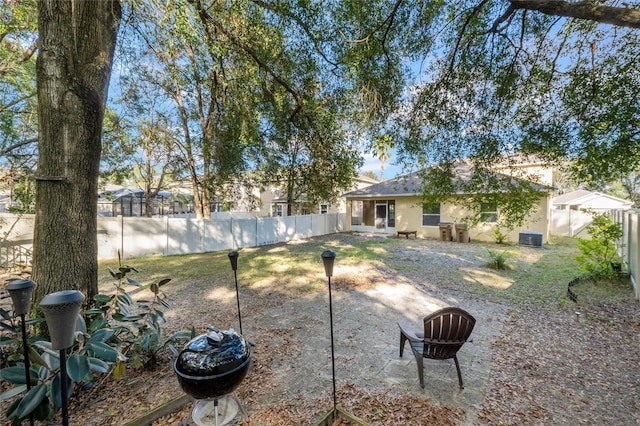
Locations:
column 499, row 236
column 117, row 336
column 499, row 259
column 600, row 251
column 91, row 353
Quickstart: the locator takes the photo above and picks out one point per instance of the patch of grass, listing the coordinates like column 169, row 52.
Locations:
column 538, row 276
column 592, row 292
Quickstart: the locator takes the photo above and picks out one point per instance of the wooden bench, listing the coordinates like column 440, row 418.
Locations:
column 407, row 233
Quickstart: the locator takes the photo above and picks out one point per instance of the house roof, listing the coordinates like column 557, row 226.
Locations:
column 571, row 196
column 366, row 179
column 402, row 185
column 412, row 184
column 520, row 159
column 582, row 197
column 114, row 192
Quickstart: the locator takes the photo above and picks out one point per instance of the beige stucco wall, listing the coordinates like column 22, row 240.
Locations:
column 409, row 217
column 538, row 173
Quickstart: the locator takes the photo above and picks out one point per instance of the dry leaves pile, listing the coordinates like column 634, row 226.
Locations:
column 559, row 367
column 377, row 408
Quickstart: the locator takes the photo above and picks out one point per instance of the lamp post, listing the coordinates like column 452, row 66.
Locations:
column 61, row 313
column 233, row 258
column 20, row 292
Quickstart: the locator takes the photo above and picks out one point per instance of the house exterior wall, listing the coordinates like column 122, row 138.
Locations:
column 534, row 172
column 409, row 217
column 569, row 223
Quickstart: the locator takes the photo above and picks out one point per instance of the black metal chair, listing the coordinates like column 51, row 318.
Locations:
column 445, row 331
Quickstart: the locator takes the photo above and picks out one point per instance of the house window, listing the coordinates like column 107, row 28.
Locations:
column 391, row 219
column 489, row 212
column 279, row 210
column 324, row 208
column 430, row 214
column 356, row 212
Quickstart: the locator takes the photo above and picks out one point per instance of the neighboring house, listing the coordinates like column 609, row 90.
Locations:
column 395, row 205
column 571, row 212
column 274, row 201
column 587, row 200
column 527, row 167
column 121, row 201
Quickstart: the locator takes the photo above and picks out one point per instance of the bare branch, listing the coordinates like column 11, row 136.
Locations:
column 7, row 150
column 16, row 101
column 463, row 30
column 619, row 16
column 506, row 16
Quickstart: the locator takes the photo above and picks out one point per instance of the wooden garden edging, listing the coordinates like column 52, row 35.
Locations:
column 164, row 409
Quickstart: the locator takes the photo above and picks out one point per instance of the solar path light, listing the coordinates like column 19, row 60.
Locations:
column 61, row 313
column 20, row 292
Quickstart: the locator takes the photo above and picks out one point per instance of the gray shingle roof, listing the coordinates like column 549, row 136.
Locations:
column 403, row 185
column 411, row 184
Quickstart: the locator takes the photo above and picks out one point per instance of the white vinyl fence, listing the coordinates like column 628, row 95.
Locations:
column 569, row 223
column 164, row 236
column 628, row 247
column 573, row 223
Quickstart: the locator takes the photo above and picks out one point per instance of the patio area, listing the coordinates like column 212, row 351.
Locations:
column 367, row 344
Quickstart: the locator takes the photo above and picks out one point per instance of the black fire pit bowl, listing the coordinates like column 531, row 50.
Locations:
column 213, row 364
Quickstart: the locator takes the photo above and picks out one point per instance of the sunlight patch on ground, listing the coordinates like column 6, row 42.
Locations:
column 379, row 249
column 277, row 249
column 279, row 267
column 416, row 302
column 297, row 242
column 264, row 283
column 349, row 270
column 221, row 293
column 487, row 278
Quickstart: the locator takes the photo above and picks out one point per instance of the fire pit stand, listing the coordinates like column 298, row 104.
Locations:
column 218, row 412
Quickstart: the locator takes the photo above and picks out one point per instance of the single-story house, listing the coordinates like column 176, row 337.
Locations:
column 395, row 205
column 588, row 200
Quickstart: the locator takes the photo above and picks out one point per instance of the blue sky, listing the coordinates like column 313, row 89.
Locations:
column 372, row 163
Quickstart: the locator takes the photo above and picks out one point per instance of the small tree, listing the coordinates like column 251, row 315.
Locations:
column 600, row 251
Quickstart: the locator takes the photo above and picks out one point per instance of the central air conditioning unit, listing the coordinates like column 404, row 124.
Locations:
column 530, row 238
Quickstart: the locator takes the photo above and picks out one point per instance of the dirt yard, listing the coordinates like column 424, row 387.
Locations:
column 526, row 365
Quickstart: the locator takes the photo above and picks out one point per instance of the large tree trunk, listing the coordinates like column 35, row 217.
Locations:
column 77, row 41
